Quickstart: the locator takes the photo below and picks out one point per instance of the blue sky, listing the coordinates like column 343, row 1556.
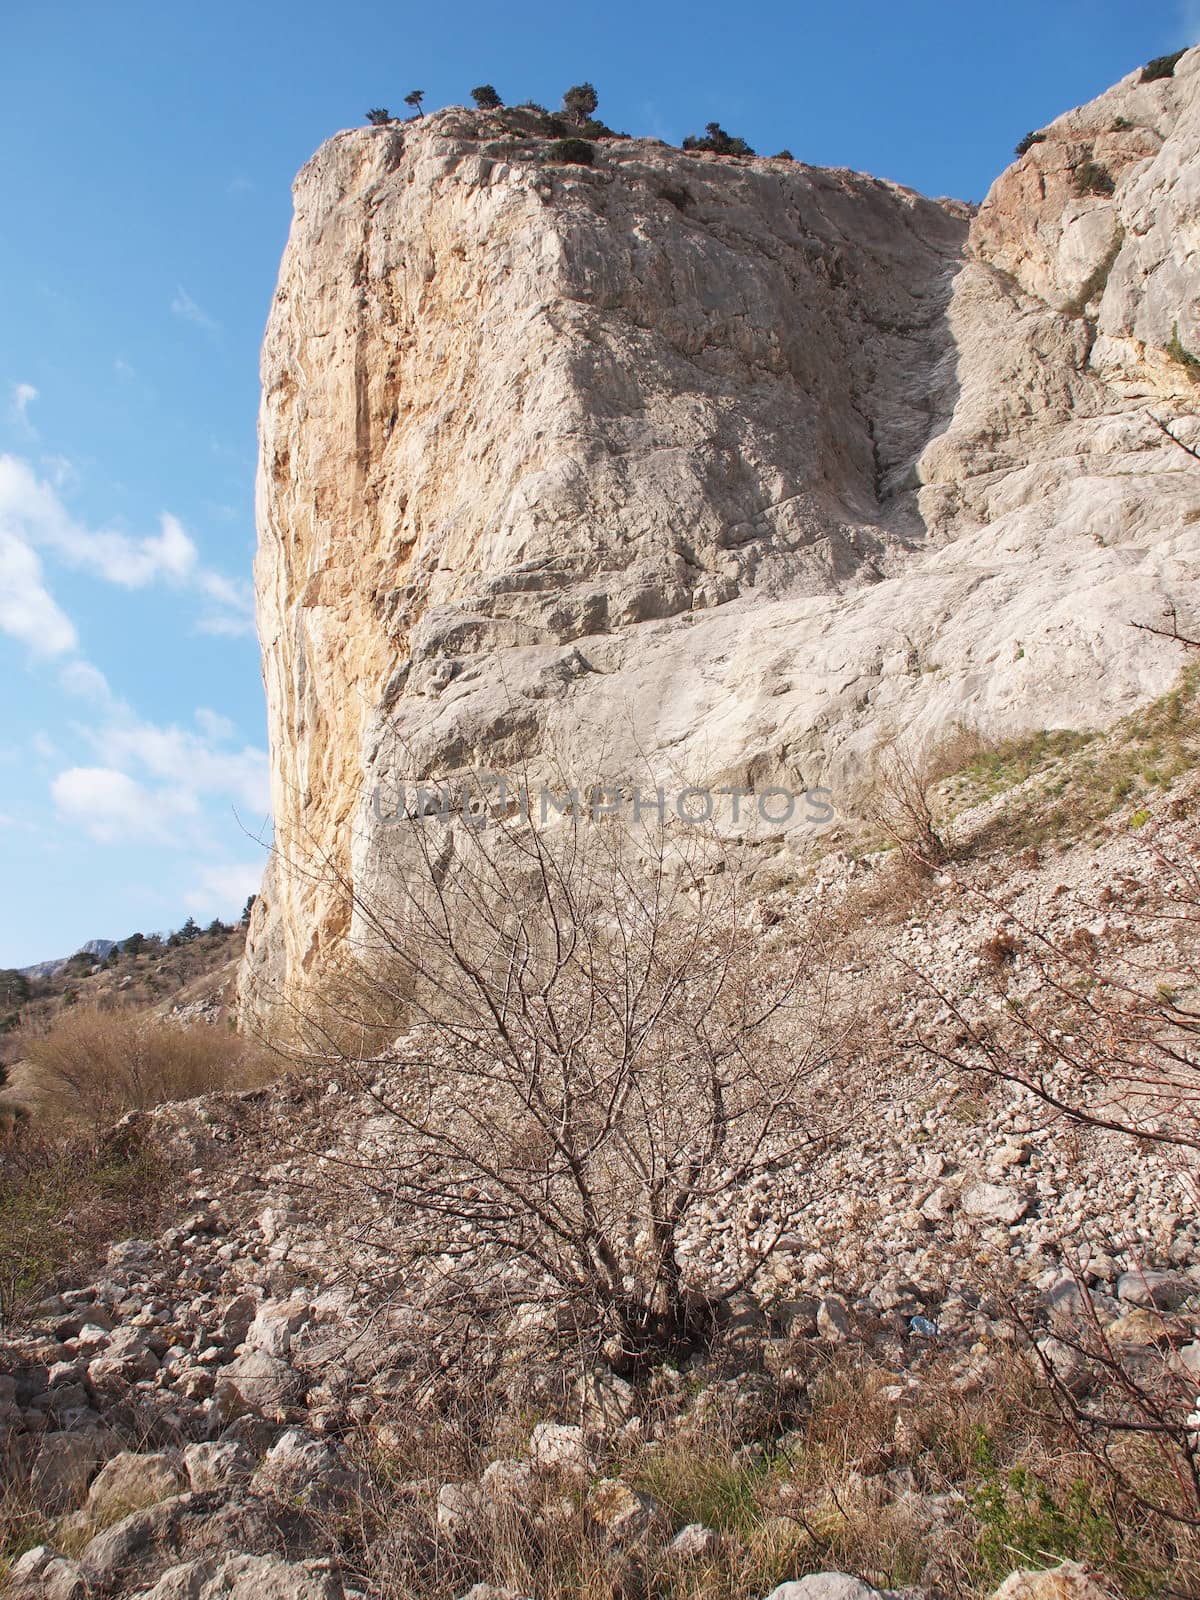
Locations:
column 148, row 156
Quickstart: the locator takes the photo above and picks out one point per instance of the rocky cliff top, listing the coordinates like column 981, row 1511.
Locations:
column 713, row 470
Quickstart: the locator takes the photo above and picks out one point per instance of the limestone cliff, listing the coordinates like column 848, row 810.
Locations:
column 717, row 467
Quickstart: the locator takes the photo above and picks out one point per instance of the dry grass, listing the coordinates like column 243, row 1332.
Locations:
column 158, row 976
column 89, row 1066
column 63, row 1200
column 70, row 1182
column 942, row 1484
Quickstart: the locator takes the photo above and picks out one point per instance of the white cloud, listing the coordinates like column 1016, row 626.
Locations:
column 184, row 306
column 45, row 746
column 227, row 627
column 111, row 806
column 28, row 611
column 62, row 471
column 87, row 682
column 153, row 783
column 150, row 772
column 214, row 726
column 31, row 511
column 123, row 369
column 195, row 760
column 23, row 396
column 223, row 891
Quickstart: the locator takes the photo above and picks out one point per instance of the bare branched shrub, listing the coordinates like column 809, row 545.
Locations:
column 1105, row 1044
column 902, row 805
column 1129, row 1412
column 596, row 1050
column 89, row 1066
column 1111, row 1041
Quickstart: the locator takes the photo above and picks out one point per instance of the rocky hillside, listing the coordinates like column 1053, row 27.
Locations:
column 192, row 980
column 713, row 469
column 274, row 1395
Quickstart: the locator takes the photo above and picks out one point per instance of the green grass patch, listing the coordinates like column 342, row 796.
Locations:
column 1025, row 1522
column 1005, row 765
column 61, row 1205
column 1071, row 783
column 710, row 1486
column 1181, row 355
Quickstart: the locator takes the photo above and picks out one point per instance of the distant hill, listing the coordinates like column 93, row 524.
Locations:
column 191, row 978
column 99, row 949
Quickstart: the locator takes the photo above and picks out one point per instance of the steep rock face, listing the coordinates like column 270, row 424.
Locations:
column 714, row 469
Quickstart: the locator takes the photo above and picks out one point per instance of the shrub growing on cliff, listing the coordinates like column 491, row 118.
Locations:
column 572, row 152
column 1026, row 144
column 903, row 804
column 1092, row 178
column 716, row 140
column 1182, row 357
column 579, row 103
column 1161, row 67
column 414, row 99
column 379, row 116
column 486, row 98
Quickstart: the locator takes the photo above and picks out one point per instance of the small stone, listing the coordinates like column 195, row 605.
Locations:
column 236, row 1319
column 130, row 1482
column 825, row 1586
column 994, row 1202
column 798, row 1317
column 264, row 1382
column 833, row 1318
column 1068, row 1365
column 1069, row 1581
column 274, row 1324
column 301, row 1469
column 1144, row 1328
column 608, row 1402
column 489, row 1591
column 60, row 1465
column 694, row 1543
column 244, row 1577
column 560, row 1447
column 130, row 1252
column 1155, row 1291
column 458, row 1508
column 507, row 1483
column 624, row 1514
column 44, row 1574
column 212, row 1465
